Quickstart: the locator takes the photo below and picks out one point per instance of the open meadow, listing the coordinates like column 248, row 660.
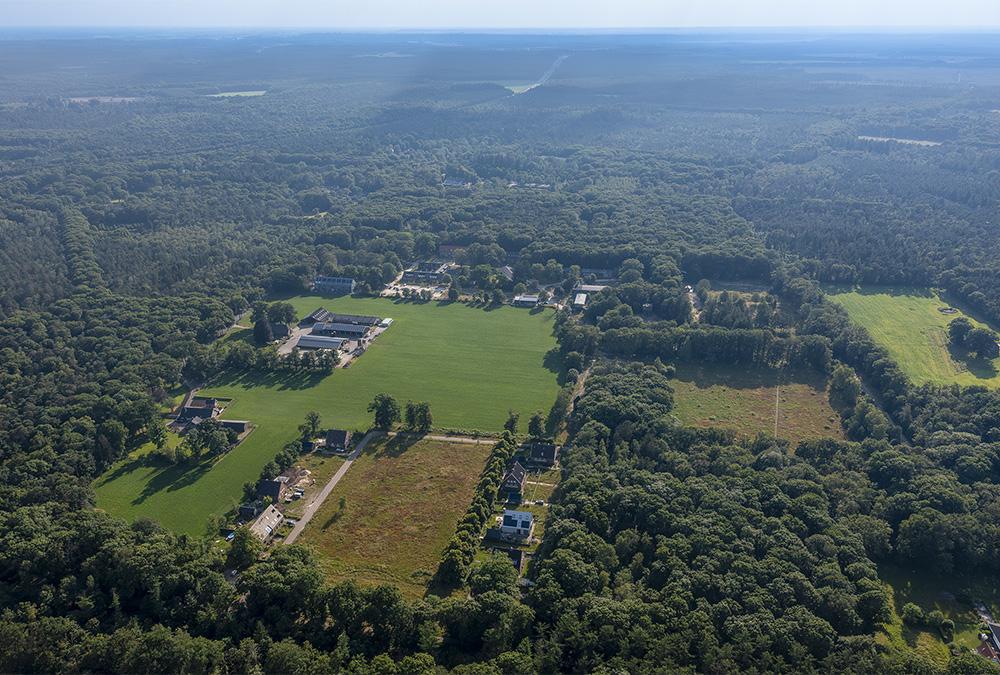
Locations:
column 909, row 324
column 744, row 400
column 401, row 502
column 470, row 364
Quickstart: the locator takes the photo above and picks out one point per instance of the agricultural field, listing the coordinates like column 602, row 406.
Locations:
column 470, row 364
column 909, row 324
column 401, row 502
column 744, row 400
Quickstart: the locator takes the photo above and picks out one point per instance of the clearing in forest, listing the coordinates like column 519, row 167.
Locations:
column 955, row 596
column 909, row 323
column 392, row 514
column 745, row 400
column 470, row 364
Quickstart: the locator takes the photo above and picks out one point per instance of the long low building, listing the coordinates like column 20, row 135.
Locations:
column 344, row 330
column 321, row 342
column 357, row 319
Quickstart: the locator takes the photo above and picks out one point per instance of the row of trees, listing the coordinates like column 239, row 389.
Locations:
column 457, row 557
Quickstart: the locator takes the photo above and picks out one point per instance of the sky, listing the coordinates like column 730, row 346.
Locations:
column 501, row 14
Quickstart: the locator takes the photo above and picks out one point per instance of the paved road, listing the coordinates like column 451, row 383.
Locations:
column 310, row 510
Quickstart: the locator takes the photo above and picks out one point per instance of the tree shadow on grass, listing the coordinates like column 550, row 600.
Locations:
column 333, row 519
column 398, row 444
column 553, row 362
column 982, row 369
column 281, row 381
column 704, row 376
column 174, row 477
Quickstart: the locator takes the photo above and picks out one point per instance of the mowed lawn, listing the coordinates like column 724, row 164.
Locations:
column 472, row 366
column 402, row 501
column 908, row 323
column 744, row 400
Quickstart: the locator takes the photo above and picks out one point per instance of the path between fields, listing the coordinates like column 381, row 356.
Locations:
column 313, row 507
column 310, row 510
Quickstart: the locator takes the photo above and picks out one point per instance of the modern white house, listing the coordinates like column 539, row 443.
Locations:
column 519, row 524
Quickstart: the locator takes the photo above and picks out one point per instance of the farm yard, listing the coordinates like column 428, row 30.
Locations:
column 909, row 324
column 744, row 400
column 471, row 365
column 402, row 499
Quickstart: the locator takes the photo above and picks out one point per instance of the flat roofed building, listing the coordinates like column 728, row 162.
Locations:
column 320, row 342
column 589, row 288
column 519, row 524
column 525, row 300
column 266, row 523
column 580, row 300
column 344, row 330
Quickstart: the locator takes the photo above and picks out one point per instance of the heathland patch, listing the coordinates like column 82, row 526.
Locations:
column 391, row 516
column 749, row 400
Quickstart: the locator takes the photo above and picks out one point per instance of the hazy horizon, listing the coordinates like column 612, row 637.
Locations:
column 514, row 15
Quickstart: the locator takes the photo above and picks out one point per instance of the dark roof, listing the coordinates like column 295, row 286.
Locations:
column 280, row 330
column 319, row 342
column 338, row 438
column 337, row 281
column 318, row 315
column 515, row 477
column 332, row 327
column 358, row 319
column 238, row 425
column 542, row 452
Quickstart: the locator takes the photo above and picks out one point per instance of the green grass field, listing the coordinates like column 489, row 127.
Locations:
column 472, row 366
column 953, row 596
column 402, row 500
column 744, row 400
column 908, row 324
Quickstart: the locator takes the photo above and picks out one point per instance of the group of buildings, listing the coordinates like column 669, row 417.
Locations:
column 197, row 409
column 516, row 526
column 328, row 330
column 426, row 273
column 264, row 513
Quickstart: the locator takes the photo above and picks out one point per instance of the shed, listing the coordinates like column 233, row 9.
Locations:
column 320, row 342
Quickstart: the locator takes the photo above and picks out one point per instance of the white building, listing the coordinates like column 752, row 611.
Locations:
column 517, row 524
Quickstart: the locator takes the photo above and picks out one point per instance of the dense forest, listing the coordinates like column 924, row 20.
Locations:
column 142, row 212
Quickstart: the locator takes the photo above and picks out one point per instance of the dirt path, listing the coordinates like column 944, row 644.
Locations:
column 310, row 510
column 468, row 440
